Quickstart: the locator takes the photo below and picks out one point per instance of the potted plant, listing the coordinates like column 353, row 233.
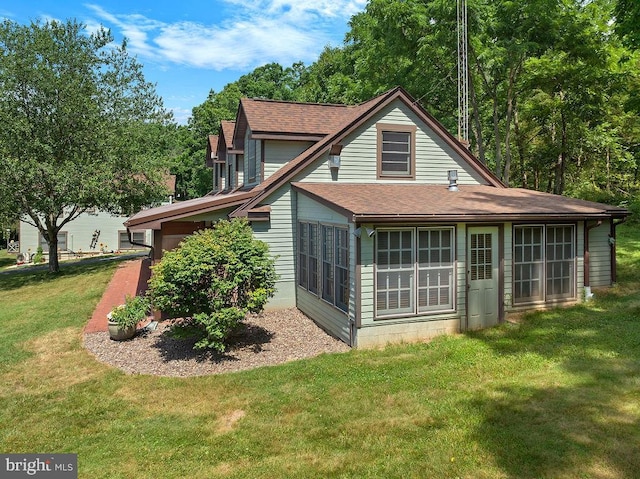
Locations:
column 124, row 319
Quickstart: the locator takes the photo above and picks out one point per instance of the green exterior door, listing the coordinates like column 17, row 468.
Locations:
column 482, row 277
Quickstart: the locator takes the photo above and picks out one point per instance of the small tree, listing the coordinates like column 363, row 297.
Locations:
column 213, row 280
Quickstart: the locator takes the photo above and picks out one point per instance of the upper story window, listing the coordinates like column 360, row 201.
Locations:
column 396, row 151
column 253, row 160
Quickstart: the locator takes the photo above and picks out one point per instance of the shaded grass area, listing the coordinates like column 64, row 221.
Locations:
column 6, row 259
column 556, row 395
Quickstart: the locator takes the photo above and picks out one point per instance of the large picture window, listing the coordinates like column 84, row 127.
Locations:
column 323, row 262
column 543, row 268
column 414, row 271
column 396, row 151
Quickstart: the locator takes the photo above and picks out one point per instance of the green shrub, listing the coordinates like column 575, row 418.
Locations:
column 134, row 310
column 212, row 280
column 39, row 256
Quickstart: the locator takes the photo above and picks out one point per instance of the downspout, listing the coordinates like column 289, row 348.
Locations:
column 612, row 242
column 130, row 234
column 587, row 263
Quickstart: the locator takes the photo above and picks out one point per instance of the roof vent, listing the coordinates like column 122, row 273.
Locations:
column 452, row 176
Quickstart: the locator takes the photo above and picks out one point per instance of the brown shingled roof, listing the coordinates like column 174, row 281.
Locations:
column 226, row 130
column 212, row 150
column 281, row 119
column 406, row 202
column 152, row 218
column 269, row 116
column 359, row 114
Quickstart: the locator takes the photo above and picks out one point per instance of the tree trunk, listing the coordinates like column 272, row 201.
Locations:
column 496, row 137
column 562, row 158
column 507, row 132
column 476, row 123
column 520, row 146
column 54, row 265
column 608, row 169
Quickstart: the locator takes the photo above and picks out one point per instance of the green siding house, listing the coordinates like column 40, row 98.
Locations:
column 385, row 227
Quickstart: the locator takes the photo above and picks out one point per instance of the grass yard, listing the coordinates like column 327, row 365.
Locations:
column 555, row 396
column 6, row 259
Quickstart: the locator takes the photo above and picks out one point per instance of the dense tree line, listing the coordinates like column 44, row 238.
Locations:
column 554, row 85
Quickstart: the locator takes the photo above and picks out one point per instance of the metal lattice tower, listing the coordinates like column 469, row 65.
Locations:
column 463, row 73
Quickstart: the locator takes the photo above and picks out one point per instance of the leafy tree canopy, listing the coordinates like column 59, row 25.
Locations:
column 81, row 126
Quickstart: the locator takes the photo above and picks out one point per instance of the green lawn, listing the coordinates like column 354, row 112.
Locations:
column 6, row 259
column 554, row 396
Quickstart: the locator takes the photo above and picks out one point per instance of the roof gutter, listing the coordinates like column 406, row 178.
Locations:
column 473, row 218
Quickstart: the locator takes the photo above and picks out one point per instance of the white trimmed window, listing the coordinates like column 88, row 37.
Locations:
column 528, row 263
column 395, row 272
column 414, row 271
column 543, row 263
column 123, row 239
column 560, row 262
column 435, row 269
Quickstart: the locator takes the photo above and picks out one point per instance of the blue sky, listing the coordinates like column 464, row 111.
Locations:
column 191, row 46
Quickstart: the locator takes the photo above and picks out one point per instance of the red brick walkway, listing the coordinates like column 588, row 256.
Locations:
column 129, row 279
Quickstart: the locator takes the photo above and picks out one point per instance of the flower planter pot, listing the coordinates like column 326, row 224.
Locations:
column 118, row 333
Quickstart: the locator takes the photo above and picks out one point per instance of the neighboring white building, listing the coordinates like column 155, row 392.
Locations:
column 92, row 232
column 78, row 235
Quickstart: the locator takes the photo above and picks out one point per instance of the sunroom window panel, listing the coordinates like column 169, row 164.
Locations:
column 303, row 247
column 341, row 269
column 528, row 264
column 560, row 262
column 435, row 270
column 327, row 263
column 313, row 258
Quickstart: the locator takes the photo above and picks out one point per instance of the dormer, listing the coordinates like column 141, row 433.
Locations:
column 270, row 133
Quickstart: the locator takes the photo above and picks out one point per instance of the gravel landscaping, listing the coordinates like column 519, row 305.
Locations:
column 266, row 339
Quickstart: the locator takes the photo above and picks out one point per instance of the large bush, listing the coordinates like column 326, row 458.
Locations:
column 213, row 280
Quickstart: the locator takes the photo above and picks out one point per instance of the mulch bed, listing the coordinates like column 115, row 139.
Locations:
column 267, row 339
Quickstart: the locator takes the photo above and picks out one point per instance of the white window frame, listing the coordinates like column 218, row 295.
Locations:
column 417, row 273
column 545, row 265
column 563, row 263
column 535, row 266
column 441, row 269
column 392, row 281
column 139, row 234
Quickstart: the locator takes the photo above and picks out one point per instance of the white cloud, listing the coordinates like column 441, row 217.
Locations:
column 261, row 31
